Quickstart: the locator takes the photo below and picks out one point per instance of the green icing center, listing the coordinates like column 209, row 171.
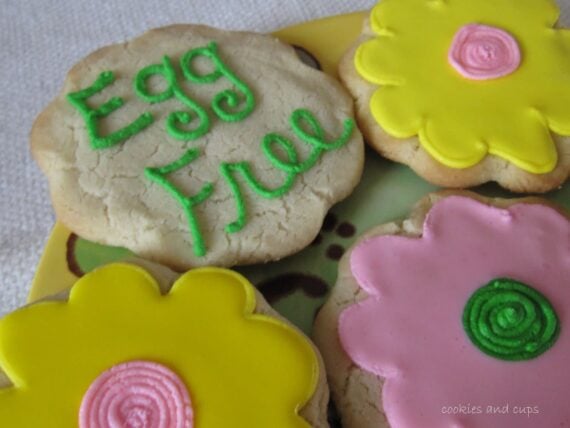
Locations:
column 510, row 320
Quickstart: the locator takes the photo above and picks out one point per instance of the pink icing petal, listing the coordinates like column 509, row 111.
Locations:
column 481, row 52
column 410, row 330
column 137, row 394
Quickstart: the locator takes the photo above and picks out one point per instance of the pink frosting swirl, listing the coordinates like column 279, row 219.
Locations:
column 137, row 394
column 481, row 52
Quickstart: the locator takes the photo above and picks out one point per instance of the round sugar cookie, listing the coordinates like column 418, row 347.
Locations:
column 466, row 93
column 456, row 316
column 195, row 146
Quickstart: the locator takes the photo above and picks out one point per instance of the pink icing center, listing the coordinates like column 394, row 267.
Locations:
column 481, row 52
column 137, row 394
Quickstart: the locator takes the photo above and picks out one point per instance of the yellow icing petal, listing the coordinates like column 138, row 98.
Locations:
column 241, row 370
column 396, row 14
column 390, row 106
column 534, row 148
column 378, row 61
column 451, row 148
column 554, row 100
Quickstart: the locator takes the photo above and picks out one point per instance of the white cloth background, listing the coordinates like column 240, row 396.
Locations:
column 40, row 40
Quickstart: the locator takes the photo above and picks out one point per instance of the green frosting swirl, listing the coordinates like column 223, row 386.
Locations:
column 510, row 320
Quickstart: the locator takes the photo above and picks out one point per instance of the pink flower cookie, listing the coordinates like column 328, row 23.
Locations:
column 459, row 322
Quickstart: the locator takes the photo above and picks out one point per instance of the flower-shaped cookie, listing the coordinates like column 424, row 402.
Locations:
column 470, row 79
column 190, row 146
column 467, row 324
column 120, row 354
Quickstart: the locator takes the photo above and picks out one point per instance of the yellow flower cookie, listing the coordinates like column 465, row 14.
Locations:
column 466, row 92
column 118, row 353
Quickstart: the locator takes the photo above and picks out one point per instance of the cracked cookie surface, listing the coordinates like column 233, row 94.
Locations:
column 199, row 183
